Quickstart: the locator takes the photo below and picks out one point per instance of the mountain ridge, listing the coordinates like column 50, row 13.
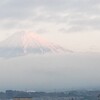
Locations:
column 26, row 43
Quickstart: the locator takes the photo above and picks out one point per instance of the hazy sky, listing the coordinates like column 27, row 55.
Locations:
column 75, row 24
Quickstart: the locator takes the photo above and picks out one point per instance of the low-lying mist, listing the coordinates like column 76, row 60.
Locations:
column 50, row 72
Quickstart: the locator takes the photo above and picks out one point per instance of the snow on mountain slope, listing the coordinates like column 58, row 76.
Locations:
column 26, row 43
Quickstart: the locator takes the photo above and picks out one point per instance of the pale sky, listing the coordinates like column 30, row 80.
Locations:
column 74, row 24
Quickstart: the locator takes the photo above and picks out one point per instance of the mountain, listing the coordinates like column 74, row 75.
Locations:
column 23, row 43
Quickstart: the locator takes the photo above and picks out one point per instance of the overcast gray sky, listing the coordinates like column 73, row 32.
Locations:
column 75, row 24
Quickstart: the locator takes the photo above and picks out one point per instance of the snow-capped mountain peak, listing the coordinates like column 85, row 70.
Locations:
column 26, row 43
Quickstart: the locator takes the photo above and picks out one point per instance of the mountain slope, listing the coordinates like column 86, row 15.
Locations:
column 25, row 43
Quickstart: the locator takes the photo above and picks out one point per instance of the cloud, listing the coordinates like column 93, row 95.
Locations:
column 74, row 15
column 50, row 72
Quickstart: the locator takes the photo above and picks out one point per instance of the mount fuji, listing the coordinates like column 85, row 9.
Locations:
column 22, row 43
